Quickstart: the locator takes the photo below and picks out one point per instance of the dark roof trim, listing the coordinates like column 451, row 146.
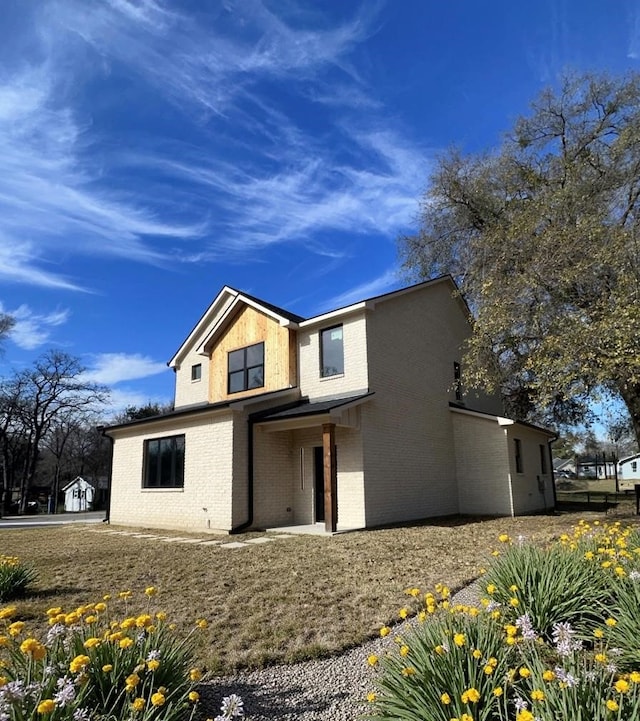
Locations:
column 306, row 408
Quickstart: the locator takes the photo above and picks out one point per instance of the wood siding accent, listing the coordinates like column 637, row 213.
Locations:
column 330, row 477
column 248, row 327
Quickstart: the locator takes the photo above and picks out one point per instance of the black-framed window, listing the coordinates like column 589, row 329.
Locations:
column 517, row 445
column 164, row 462
column 543, row 459
column 457, row 380
column 246, row 368
column 331, row 352
column 196, row 372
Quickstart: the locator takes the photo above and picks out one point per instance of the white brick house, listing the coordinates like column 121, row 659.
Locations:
column 353, row 418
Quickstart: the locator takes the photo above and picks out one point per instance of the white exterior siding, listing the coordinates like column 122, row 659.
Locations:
column 355, row 377
column 413, row 340
column 482, row 460
column 532, row 490
column 188, row 392
column 203, row 504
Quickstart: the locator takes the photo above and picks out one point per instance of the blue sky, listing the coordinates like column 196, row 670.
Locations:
column 153, row 151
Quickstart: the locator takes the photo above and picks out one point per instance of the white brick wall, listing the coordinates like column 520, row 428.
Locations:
column 205, row 501
column 482, row 463
column 355, row 377
column 528, row 497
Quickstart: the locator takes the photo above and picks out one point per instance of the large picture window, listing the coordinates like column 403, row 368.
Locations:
column 331, row 352
column 164, row 462
column 246, row 368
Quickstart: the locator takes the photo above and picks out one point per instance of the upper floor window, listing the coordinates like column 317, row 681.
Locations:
column 517, row 443
column 164, row 462
column 457, row 380
column 634, row 466
column 196, row 372
column 246, row 368
column 331, row 352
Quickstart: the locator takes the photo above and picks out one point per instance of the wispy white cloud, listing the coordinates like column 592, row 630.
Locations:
column 388, row 281
column 31, row 329
column 112, row 368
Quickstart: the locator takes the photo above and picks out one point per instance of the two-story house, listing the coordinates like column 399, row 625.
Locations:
column 354, row 418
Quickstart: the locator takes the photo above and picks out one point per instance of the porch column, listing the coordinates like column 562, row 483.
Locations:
column 330, row 477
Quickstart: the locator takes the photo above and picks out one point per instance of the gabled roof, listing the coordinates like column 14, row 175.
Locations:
column 221, row 311
column 78, row 480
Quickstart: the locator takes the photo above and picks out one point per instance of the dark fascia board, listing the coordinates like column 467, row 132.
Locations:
column 526, row 424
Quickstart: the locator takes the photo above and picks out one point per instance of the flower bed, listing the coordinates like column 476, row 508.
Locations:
column 554, row 636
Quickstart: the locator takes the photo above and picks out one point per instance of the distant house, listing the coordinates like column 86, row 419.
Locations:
column 629, row 472
column 78, row 495
column 354, row 418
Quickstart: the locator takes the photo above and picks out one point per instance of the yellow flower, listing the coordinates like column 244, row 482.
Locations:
column 589, row 555
column 32, row 647
column 634, row 676
column 194, row 696
column 46, row 706
column 621, row 686
column 151, row 591
column 408, row 671
column 7, row 612
column 143, row 621
column 440, row 650
column 524, row 672
column 511, row 630
column 372, row 660
column 477, row 653
column 404, row 651
column 107, row 668
column 385, row 631
column 15, row 629
column 504, row 538
column 524, row 715
column 513, row 601
column 79, row 663
column 202, row 623
column 548, row 675
column 153, row 664
column 466, row 717
column 612, row 705
column 161, row 616
column 124, row 595
column 488, row 669
column 52, row 611
column 371, row 697
column 195, row 674
column 403, row 613
column 601, row 657
column 471, row 695
column 138, row 704
column 611, row 622
column 513, row 588
column 92, row 642
column 459, row 639
column 101, row 607
column 128, row 623
column 537, row 695
column 125, row 643
column 498, row 691
column 445, row 698
column 598, row 633
column 158, row 699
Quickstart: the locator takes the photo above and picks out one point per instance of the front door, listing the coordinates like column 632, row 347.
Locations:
column 318, row 481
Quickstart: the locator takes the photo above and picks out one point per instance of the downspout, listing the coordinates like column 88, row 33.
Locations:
column 110, row 472
column 249, row 521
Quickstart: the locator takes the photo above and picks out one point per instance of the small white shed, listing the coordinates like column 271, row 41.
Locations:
column 629, row 472
column 78, row 495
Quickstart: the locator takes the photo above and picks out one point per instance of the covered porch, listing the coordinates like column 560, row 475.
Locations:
column 307, row 466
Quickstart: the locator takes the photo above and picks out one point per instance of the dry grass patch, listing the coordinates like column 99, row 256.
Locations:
column 286, row 600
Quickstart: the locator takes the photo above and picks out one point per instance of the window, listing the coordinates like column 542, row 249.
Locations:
column 634, row 466
column 457, row 385
column 164, row 462
column 196, row 372
column 518, row 451
column 246, row 368
column 331, row 352
column 543, row 459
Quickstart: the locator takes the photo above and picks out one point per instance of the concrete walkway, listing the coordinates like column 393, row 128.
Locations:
column 206, row 541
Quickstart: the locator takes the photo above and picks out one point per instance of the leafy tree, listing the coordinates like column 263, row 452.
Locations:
column 543, row 237
column 136, row 413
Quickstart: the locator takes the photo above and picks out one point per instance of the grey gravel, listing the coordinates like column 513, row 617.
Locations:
column 331, row 689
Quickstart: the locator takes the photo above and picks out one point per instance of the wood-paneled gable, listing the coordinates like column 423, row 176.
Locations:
column 247, row 327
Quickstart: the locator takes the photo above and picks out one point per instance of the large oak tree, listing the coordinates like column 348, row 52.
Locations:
column 543, row 237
